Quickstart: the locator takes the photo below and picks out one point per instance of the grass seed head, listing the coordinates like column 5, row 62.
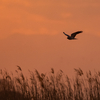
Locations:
column 52, row 70
column 19, row 68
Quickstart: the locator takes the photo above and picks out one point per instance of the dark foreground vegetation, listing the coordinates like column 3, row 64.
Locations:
column 49, row 87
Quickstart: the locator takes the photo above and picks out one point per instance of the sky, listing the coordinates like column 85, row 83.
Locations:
column 31, row 34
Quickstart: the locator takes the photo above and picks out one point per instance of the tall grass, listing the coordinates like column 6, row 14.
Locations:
column 55, row 86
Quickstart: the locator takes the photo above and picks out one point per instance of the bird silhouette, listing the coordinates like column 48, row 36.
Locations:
column 72, row 35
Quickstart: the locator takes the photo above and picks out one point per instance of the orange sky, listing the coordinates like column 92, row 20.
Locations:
column 31, row 34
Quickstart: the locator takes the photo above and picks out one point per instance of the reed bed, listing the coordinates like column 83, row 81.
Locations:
column 52, row 86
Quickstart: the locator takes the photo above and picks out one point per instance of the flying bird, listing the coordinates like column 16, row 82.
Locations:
column 72, row 35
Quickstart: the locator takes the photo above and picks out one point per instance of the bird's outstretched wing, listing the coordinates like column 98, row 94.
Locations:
column 65, row 34
column 75, row 33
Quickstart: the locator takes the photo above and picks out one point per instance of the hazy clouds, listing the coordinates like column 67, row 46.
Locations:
column 48, row 17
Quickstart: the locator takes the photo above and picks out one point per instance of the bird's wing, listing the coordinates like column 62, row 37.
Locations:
column 65, row 34
column 75, row 33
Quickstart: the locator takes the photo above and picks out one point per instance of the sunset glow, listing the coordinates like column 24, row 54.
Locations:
column 31, row 34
